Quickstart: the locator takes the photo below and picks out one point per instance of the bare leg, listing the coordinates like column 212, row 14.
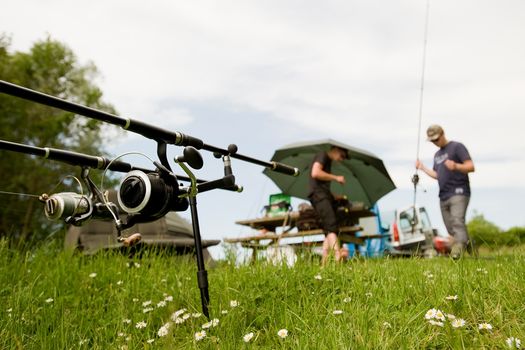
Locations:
column 330, row 242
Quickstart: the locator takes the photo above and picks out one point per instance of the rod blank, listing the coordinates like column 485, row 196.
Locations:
column 139, row 127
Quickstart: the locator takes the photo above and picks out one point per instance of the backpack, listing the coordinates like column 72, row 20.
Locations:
column 344, row 217
column 308, row 218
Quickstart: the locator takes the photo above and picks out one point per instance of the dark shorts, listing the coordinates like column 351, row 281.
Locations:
column 325, row 208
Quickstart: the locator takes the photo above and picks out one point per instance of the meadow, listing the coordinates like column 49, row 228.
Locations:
column 52, row 299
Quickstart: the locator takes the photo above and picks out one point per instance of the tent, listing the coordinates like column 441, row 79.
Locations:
column 170, row 232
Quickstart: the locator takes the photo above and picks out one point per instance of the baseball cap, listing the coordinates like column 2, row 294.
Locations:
column 434, row 132
column 344, row 151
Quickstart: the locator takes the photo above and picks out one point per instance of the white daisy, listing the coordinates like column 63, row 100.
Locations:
column 93, row 275
column 234, row 303
column 347, row 300
column 439, row 315
column 430, row 314
column 513, row 343
column 141, row 324
column 458, row 323
column 248, row 337
column 49, row 300
column 283, row 333
column 486, row 326
column 178, row 313
column 200, row 335
column 337, row 312
column 146, row 303
column 318, row 277
column 163, row 331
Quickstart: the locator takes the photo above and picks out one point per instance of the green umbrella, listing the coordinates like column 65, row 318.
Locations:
column 366, row 177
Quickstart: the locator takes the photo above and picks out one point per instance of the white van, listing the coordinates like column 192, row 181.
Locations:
column 412, row 233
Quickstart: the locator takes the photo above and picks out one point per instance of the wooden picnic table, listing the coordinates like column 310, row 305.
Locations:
column 289, row 219
column 268, row 236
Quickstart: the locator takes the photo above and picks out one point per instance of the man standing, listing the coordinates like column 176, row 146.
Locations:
column 323, row 200
column 452, row 163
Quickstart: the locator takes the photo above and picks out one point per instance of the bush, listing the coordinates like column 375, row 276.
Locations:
column 518, row 233
column 486, row 233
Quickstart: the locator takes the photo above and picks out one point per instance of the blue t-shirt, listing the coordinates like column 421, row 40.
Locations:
column 451, row 183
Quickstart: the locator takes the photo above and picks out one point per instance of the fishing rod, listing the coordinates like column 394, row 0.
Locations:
column 161, row 136
column 138, row 189
column 94, row 162
column 75, row 208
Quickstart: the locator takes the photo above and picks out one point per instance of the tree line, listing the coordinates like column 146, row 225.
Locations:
column 52, row 68
column 486, row 233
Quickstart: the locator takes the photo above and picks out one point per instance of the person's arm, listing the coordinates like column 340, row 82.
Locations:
column 430, row 172
column 319, row 174
column 465, row 167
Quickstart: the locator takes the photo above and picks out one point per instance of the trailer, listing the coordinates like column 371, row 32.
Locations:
column 410, row 233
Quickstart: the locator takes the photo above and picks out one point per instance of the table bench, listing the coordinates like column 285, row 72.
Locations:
column 268, row 236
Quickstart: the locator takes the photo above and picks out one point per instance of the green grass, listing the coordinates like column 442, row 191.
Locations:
column 383, row 302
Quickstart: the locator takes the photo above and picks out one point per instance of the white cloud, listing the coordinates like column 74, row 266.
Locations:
column 349, row 70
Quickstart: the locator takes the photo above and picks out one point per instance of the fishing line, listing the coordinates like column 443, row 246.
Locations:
column 72, row 177
column 422, row 79
column 54, row 188
column 19, row 194
column 415, row 178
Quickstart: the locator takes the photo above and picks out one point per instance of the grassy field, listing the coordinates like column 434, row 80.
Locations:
column 52, row 300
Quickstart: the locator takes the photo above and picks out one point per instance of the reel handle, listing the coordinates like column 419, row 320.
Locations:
column 131, row 240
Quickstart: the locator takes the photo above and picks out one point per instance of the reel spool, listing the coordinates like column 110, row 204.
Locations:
column 149, row 195
column 65, row 205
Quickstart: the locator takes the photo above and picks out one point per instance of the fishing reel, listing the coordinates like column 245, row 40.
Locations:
column 149, row 196
column 75, row 208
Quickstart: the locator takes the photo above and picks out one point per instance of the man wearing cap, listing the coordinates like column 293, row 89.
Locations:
column 323, row 200
column 452, row 163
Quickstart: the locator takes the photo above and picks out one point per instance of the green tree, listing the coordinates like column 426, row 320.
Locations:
column 484, row 232
column 52, row 68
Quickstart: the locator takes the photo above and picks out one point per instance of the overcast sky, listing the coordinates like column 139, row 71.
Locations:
column 263, row 74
